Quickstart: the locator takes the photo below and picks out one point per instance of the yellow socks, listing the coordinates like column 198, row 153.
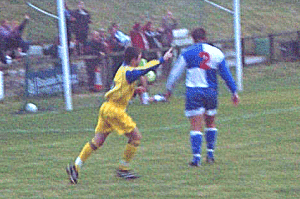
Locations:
column 128, row 156
column 84, row 154
column 89, row 147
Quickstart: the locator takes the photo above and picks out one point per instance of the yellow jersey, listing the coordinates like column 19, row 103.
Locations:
column 125, row 80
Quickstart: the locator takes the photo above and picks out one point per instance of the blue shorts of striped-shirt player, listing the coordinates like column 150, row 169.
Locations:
column 200, row 101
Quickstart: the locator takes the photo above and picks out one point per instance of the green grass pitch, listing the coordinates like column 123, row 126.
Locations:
column 257, row 153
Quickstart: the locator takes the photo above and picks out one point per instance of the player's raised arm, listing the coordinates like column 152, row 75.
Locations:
column 174, row 75
column 133, row 75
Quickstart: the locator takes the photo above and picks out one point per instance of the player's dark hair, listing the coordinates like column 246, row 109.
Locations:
column 198, row 34
column 131, row 53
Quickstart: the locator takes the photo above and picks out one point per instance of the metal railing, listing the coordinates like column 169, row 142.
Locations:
column 273, row 48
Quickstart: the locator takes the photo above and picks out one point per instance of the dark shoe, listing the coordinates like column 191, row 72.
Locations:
column 73, row 174
column 127, row 174
column 210, row 160
column 194, row 164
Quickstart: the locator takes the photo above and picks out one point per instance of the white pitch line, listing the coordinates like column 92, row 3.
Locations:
column 37, row 130
column 247, row 116
column 166, row 128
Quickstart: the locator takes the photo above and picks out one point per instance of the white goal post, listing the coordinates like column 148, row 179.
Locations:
column 64, row 52
column 238, row 45
column 237, row 38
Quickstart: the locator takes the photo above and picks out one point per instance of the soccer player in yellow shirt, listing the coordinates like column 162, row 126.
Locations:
column 113, row 116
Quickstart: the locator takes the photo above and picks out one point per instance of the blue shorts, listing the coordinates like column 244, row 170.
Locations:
column 200, row 101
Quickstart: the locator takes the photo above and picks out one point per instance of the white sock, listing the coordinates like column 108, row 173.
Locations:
column 145, row 98
column 79, row 162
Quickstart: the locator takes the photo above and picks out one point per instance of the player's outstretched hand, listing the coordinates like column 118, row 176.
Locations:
column 168, row 54
column 235, row 99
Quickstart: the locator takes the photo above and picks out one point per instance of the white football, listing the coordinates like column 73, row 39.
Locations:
column 30, row 107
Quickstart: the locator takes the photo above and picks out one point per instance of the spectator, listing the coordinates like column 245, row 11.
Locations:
column 82, row 20
column 69, row 23
column 2, row 51
column 153, row 38
column 15, row 40
column 94, row 47
column 103, row 39
column 115, row 47
column 54, row 52
column 138, row 38
column 5, row 30
column 11, row 38
column 120, row 36
column 105, row 60
column 114, row 44
column 168, row 23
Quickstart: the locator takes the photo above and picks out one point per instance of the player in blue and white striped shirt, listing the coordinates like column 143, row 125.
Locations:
column 202, row 63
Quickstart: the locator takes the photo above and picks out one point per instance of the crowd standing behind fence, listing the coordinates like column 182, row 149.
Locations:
column 79, row 34
column 11, row 39
column 81, row 22
column 157, row 39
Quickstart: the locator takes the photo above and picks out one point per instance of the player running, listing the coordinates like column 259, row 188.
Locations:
column 113, row 116
column 202, row 63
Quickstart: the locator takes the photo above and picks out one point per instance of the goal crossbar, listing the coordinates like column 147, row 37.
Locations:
column 42, row 11
column 220, row 7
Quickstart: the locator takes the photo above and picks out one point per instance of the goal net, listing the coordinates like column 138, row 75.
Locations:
column 44, row 80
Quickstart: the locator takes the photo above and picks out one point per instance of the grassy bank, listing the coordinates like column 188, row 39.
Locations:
column 257, row 17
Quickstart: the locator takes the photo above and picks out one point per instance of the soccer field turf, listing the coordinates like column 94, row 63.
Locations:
column 257, row 153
